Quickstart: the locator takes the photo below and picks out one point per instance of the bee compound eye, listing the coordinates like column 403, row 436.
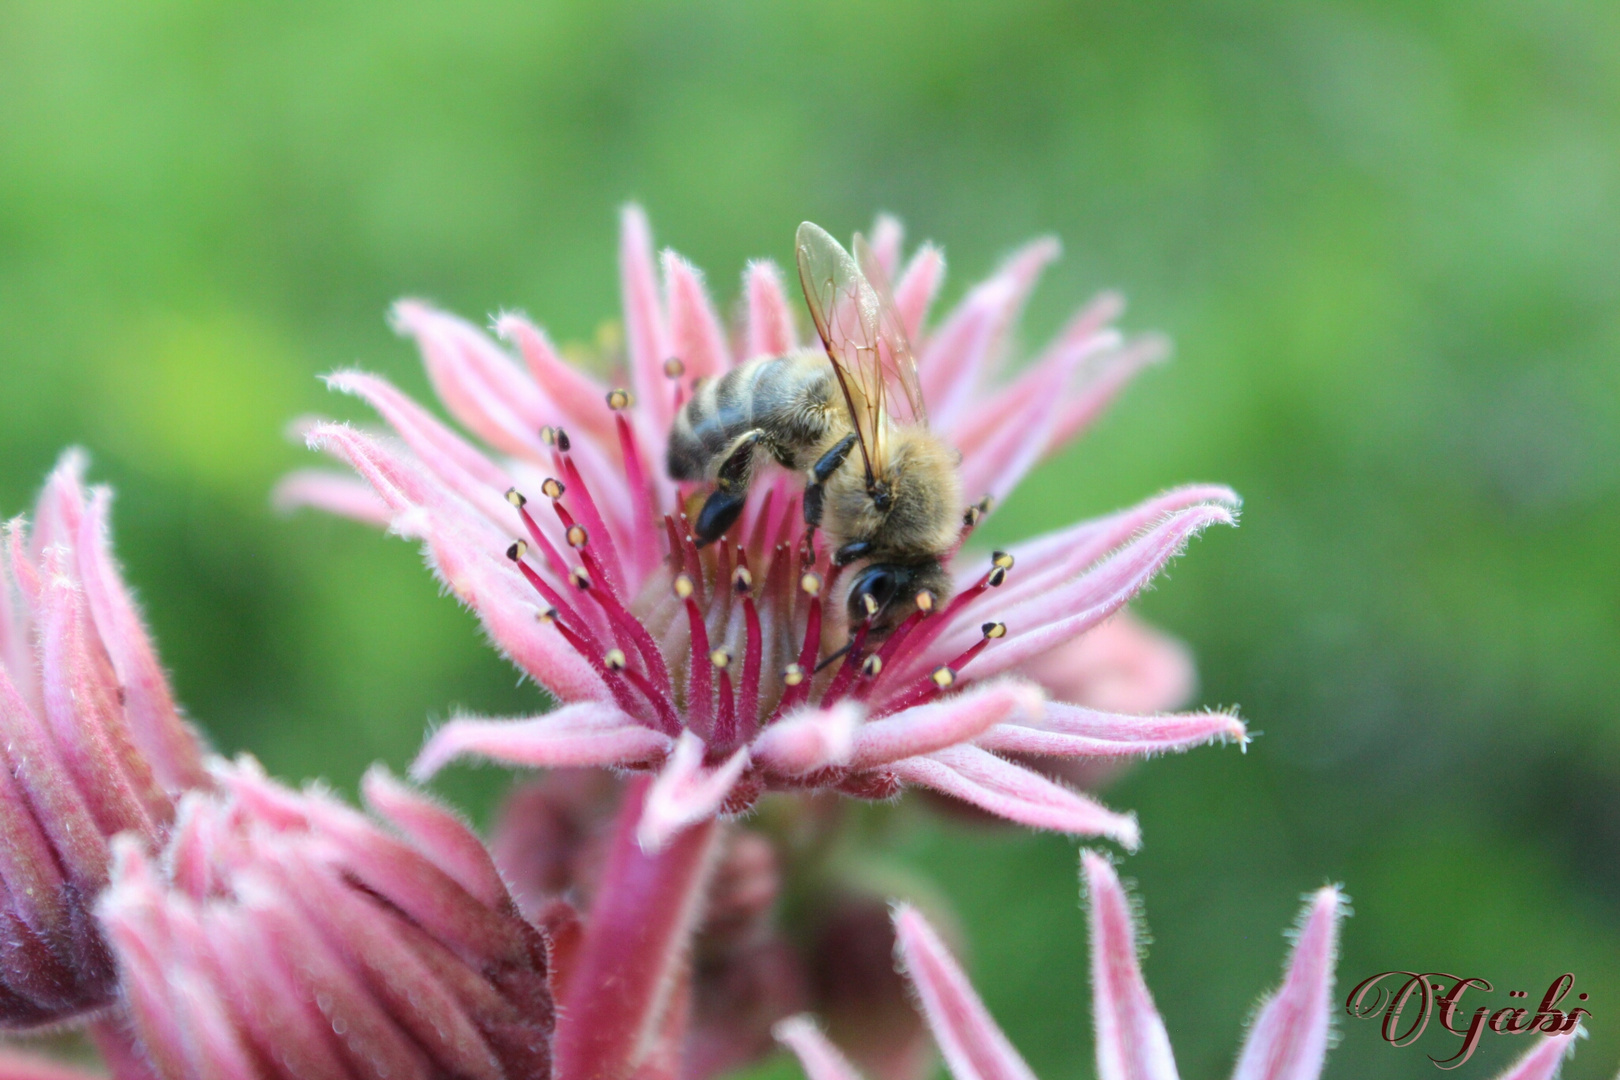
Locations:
column 871, row 591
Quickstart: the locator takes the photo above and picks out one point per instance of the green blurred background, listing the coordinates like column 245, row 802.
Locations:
column 1383, row 235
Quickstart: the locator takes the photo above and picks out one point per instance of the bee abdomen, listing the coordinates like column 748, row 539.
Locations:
column 767, row 393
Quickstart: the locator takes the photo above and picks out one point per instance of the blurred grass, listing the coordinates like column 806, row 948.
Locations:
column 1382, row 235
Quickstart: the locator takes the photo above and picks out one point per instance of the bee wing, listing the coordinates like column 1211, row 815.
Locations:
column 894, row 349
column 863, row 337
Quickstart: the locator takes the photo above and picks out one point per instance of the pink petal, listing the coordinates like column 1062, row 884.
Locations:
column 457, row 463
column 770, row 319
column 1053, row 558
column 974, row 1047
column 335, row 493
column 16, row 645
column 686, row 792
column 578, row 399
column 84, row 716
column 289, row 943
column 1010, row 791
column 61, row 810
column 61, row 503
column 397, row 480
column 502, row 600
column 915, row 291
column 465, row 552
column 437, row 832
column 1043, row 622
column 694, row 328
column 1122, row 665
column 416, row 996
column 819, row 1057
column 477, row 382
column 1104, row 384
column 808, row 740
column 626, row 972
column 1541, row 1061
column 33, row 885
column 585, row 734
column 1289, row 1036
column 164, row 738
column 887, row 235
column 1131, row 1040
column 1072, row 731
column 1029, row 398
column 956, row 719
column 958, row 356
column 646, row 334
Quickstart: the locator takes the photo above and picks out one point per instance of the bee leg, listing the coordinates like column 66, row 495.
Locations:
column 819, row 473
column 725, row 503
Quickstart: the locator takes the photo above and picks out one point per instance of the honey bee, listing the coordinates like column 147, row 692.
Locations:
column 850, row 415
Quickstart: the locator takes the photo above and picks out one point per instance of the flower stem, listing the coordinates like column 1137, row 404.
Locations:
column 636, row 937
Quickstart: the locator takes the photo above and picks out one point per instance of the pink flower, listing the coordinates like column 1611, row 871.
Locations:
column 284, row 934
column 91, row 745
column 710, row 666
column 1287, row 1040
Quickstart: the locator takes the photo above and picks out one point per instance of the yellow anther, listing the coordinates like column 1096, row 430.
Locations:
column 720, row 658
column 993, row 630
column 871, row 666
column 925, row 601
column 674, row 368
column 552, row 488
column 742, row 580
column 515, row 497
column 577, row 537
column 810, row 584
column 1002, row 560
column 517, row 550
column 793, row 674
column 619, row 399
column 943, row 677
column 579, row 577
column 614, row 660
column 684, row 586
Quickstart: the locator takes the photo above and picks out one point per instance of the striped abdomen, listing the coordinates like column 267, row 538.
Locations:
column 788, row 398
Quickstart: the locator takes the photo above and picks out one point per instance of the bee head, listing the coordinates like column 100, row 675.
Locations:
column 887, row 592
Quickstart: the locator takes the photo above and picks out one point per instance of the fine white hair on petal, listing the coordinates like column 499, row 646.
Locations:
column 1131, row 1041
column 1289, row 1037
column 973, row 1044
column 686, row 792
column 1544, row 1060
column 583, row 734
column 819, row 1057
